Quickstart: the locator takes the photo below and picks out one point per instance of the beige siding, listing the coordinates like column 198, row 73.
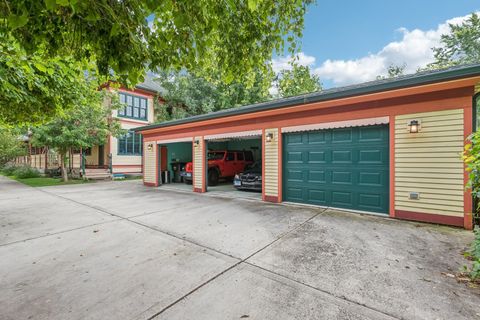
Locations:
column 150, row 111
column 92, row 159
column 149, row 174
column 118, row 160
column 75, row 160
column 198, row 163
column 271, row 164
column 429, row 163
column 477, row 88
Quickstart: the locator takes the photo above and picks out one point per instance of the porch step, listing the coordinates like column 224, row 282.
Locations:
column 98, row 174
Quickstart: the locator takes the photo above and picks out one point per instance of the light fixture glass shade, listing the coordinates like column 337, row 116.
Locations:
column 269, row 137
column 414, row 126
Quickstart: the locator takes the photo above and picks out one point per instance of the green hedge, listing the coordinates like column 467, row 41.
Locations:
column 21, row 172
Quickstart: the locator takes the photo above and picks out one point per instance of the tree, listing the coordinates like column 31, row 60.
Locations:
column 188, row 94
column 393, row 71
column 299, row 80
column 125, row 37
column 10, row 146
column 33, row 88
column 84, row 126
column 460, row 46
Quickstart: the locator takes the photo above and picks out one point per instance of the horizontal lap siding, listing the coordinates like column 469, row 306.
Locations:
column 429, row 163
column 150, row 159
column 271, row 164
column 198, row 163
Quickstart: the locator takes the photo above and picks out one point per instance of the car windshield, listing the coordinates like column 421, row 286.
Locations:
column 215, row 155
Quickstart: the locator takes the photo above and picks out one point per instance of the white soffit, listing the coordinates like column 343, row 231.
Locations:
column 234, row 135
column 337, row 124
column 187, row 139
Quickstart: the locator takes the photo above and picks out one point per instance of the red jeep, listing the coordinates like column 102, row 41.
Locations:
column 221, row 164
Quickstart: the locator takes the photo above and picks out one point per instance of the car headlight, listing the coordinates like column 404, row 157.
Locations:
column 237, row 177
column 259, row 178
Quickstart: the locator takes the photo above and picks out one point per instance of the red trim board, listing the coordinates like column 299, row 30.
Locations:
column 427, row 217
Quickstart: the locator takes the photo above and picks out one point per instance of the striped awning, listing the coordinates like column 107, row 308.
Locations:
column 338, row 124
column 186, row 139
column 240, row 134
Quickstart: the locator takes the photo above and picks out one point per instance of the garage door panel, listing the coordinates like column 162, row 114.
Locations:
column 342, row 135
column 317, row 196
column 371, row 156
column 316, row 176
column 342, row 199
column 342, row 156
column 370, row 134
column 348, row 169
column 317, row 156
column 342, row 177
column 295, row 193
column 295, row 157
column 294, row 138
column 316, row 137
column 371, row 179
column 294, row 175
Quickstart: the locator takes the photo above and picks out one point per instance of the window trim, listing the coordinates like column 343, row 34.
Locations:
column 135, row 143
column 133, row 106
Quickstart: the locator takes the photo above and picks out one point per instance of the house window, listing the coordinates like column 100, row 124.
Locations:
column 130, row 144
column 135, row 107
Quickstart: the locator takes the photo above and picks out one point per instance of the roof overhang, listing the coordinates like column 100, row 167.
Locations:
column 424, row 82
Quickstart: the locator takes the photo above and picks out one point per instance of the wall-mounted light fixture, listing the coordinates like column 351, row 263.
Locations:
column 414, row 126
column 150, row 147
column 269, row 137
column 196, row 143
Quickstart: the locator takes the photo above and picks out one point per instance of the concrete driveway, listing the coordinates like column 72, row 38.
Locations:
column 119, row 250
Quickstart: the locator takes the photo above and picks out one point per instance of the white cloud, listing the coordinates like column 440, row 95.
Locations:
column 414, row 50
column 284, row 63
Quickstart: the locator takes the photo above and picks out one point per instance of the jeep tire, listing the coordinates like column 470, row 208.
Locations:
column 212, row 177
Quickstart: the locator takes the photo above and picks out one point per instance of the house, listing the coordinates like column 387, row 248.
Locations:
column 123, row 155
column 389, row 147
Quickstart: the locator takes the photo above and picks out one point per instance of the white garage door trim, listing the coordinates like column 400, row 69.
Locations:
column 234, row 134
column 337, row 124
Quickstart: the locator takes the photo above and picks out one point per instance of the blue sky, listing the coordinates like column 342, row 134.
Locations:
column 353, row 41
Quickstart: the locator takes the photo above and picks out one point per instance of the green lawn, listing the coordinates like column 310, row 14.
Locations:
column 46, row 181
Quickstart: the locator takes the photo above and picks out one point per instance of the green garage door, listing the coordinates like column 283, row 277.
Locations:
column 340, row 168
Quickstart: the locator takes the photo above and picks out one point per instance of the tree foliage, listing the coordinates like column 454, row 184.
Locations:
column 33, row 88
column 84, row 126
column 125, row 37
column 299, row 80
column 188, row 94
column 460, row 46
column 393, row 71
column 10, row 146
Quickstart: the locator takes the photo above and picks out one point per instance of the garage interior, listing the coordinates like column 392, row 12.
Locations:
column 173, row 158
column 240, row 146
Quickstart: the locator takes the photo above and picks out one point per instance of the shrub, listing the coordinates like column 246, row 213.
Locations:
column 475, row 252
column 8, row 169
column 24, row 172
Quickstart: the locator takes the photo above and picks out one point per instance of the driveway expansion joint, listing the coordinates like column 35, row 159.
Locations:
column 244, row 260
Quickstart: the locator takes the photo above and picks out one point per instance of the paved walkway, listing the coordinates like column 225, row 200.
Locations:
column 119, row 250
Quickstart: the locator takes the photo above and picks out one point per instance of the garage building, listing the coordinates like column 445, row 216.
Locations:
column 389, row 147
